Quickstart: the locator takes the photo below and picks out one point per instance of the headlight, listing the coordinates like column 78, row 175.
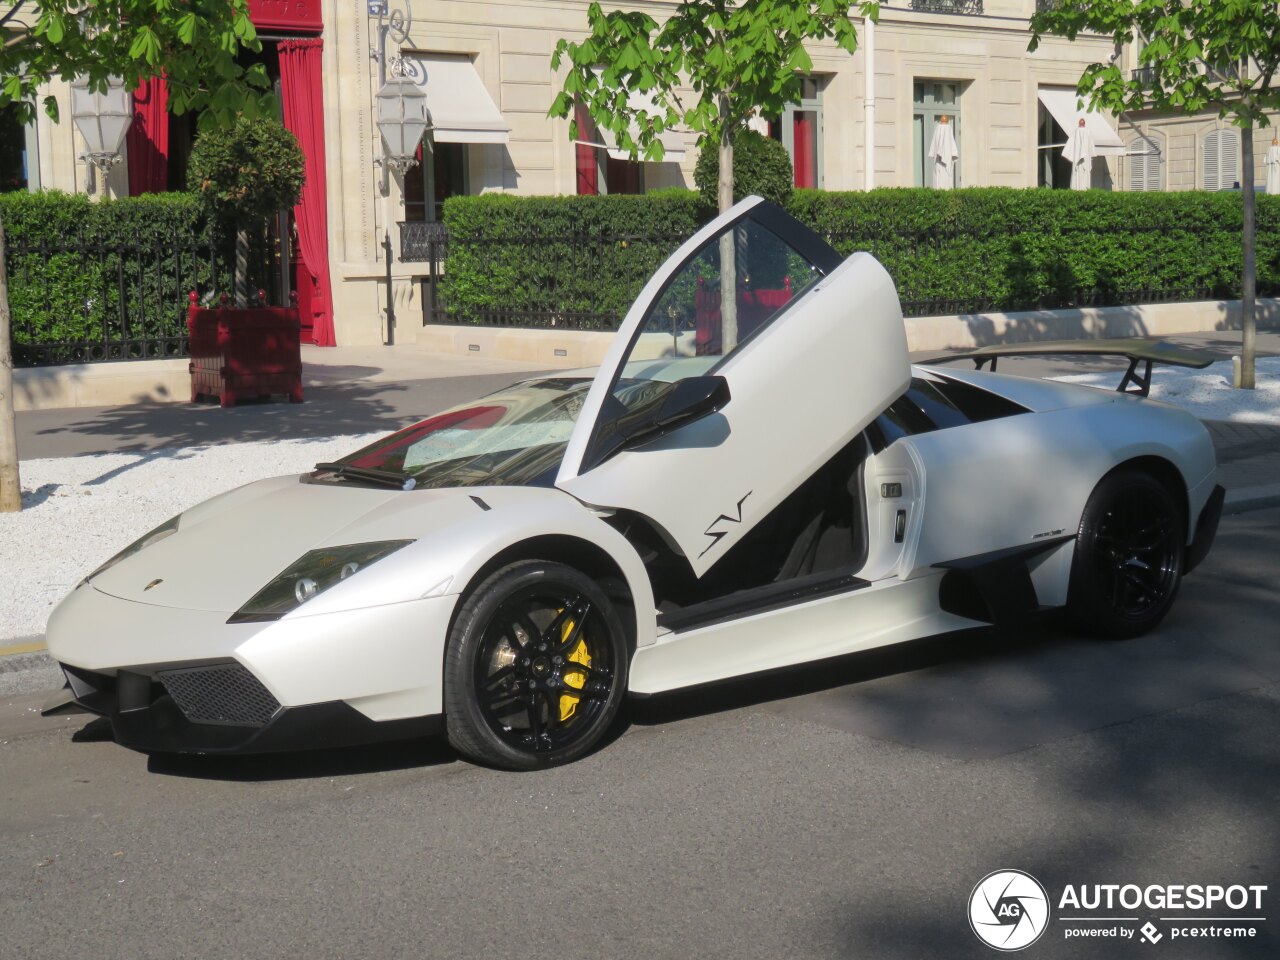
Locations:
column 310, row 576
column 166, row 529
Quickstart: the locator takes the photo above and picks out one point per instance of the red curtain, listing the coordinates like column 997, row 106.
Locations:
column 585, row 156
column 805, row 149
column 149, row 138
column 304, row 116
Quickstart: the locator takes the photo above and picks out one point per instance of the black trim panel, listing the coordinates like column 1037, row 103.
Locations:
column 773, row 596
column 998, row 582
column 1206, row 528
column 158, row 726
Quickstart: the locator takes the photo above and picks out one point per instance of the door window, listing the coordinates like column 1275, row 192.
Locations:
column 689, row 331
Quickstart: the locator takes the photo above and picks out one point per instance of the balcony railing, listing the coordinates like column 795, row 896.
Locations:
column 1223, row 74
column 422, row 241
column 972, row 8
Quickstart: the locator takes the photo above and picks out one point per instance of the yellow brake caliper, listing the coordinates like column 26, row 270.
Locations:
column 575, row 678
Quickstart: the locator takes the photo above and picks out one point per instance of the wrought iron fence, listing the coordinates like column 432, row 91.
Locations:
column 1026, row 271
column 87, row 301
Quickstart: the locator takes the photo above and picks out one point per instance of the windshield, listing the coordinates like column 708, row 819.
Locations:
column 515, row 437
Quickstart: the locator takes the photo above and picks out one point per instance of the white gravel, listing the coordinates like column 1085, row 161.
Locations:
column 78, row 511
column 1207, row 393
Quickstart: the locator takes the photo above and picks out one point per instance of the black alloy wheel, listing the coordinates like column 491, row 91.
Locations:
column 535, row 668
column 1129, row 556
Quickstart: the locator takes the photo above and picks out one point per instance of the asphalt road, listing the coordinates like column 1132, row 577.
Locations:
column 839, row 812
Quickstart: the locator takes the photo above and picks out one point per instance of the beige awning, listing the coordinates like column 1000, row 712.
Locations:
column 459, row 106
column 1061, row 104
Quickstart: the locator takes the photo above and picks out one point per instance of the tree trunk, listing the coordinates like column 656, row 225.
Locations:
column 1249, row 282
column 728, row 258
column 10, row 484
column 240, row 283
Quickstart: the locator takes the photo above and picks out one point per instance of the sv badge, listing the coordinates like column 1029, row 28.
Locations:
column 718, row 535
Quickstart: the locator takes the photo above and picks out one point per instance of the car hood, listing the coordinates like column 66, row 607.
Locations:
column 228, row 548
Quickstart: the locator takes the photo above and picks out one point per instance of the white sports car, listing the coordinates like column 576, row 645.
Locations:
column 738, row 488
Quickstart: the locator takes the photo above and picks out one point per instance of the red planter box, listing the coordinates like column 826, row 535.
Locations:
column 250, row 353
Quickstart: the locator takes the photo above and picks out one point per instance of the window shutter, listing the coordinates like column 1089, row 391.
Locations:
column 1137, row 168
column 1221, row 159
column 1144, row 160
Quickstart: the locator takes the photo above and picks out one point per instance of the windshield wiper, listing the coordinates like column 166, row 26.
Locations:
column 390, row 478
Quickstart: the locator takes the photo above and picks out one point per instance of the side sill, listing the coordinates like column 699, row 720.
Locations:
column 773, row 596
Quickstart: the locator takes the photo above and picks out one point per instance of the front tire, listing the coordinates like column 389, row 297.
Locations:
column 535, row 668
column 1129, row 556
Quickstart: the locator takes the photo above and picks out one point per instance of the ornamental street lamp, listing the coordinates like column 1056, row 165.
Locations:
column 103, row 119
column 402, row 120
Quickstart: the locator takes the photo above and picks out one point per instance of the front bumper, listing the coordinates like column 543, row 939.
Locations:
column 229, row 711
column 314, row 681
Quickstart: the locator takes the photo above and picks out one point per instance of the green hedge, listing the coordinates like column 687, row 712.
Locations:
column 584, row 257
column 1005, row 249
column 543, row 260
column 85, row 272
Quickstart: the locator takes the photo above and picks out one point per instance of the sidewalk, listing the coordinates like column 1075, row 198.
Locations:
column 347, row 390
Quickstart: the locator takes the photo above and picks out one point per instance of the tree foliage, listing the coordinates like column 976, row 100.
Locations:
column 195, row 44
column 760, row 167
column 709, row 67
column 246, row 173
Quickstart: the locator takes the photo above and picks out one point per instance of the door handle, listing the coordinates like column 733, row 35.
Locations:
column 900, row 527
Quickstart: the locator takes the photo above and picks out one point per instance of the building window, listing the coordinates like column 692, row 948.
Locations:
column 441, row 173
column 933, row 100
column 1052, row 168
column 800, row 131
column 14, row 174
column 596, row 171
column 1144, row 157
column 1220, row 156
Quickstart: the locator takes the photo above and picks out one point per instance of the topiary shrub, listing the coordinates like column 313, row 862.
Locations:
column 243, row 175
column 760, row 166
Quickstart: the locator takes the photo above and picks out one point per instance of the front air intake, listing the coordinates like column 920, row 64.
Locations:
column 220, row 693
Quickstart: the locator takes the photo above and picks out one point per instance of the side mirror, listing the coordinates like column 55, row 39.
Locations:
column 692, row 398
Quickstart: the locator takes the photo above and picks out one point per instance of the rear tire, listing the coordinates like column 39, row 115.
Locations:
column 1129, row 556
column 535, row 668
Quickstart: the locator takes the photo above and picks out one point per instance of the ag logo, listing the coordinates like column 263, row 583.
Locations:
column 1008, row 910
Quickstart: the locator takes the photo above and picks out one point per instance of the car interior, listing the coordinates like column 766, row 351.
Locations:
column 815, row 541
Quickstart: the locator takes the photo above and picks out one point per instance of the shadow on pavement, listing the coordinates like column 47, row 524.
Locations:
column 330, row 409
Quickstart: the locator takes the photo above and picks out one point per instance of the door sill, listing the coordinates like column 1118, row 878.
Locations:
column 773, row 596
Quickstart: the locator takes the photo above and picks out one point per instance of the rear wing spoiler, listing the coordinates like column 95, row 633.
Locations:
column 1135, row 349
